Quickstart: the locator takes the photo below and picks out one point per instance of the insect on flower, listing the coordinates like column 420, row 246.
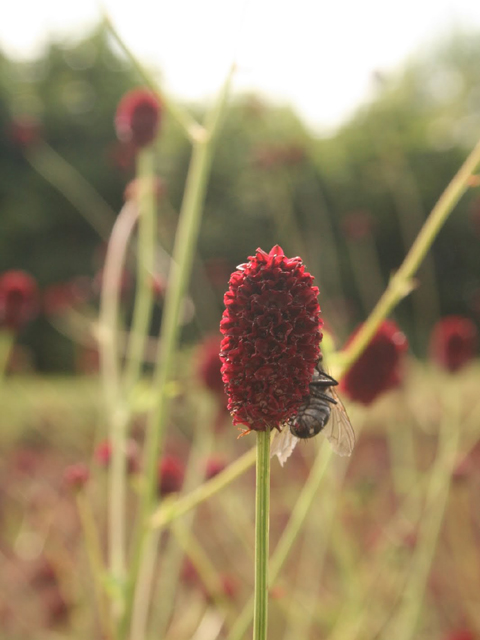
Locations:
column 322, row 410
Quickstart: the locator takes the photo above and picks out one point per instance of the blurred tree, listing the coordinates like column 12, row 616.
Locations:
column 272, row 181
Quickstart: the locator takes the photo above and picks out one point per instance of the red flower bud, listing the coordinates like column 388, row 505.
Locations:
column 272, row 333
column 171, row 473
column 138, row 117
column 76, row 476
column 453, row 342
column 103, row 455
column 18, row 299
column 213, row 467
column 378, row 369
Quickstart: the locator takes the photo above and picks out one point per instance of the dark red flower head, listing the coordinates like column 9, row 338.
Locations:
column 378, row 369
column 453, row 342
column 171, row 472
column 138, row 117
column 272, row 333
column 18, row 299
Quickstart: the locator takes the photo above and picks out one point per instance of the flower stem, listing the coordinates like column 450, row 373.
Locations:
column 147, row 236
column 401, row 283
column 94, row 551
column 183, row 254
column 262, row 521
column 110, row 367
column 404, row 627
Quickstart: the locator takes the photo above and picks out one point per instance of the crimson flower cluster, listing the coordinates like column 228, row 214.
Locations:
column 379, row 368
column 138, row 117
column 170, row 475
column 453, row 342
column 272, row 333
column 18, row 299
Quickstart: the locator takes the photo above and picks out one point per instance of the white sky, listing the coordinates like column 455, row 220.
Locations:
column 318, row 56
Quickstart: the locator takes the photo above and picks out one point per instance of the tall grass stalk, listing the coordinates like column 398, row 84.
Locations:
column 183, row 254
column 262, row 532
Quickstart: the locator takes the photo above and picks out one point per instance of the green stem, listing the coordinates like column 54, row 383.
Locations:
column 6, row 344
column 401, row 283
column 94, row 551
column 110, row 366
column 183, row 254
column 262, row 522
column 285, row 544
column 147, row 234
column 405, row 624
column 73, row 186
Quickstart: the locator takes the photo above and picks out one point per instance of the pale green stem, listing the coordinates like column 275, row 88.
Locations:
column 94, row 551
column 117, row 411
column 289, row 535
column 401, row 283
column 262, row 531
column 73, row 186
column 182, row 259
column 404, row 626
column 6, row 344
column 193, row 130
column 173, row 555
column 169, row 512
column 147, row 237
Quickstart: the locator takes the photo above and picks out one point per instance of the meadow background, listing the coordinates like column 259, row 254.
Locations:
column 389, row 546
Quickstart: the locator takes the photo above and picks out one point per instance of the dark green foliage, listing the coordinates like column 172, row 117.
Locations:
column 272, row 181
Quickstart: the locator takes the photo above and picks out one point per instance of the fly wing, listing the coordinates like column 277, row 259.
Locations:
column 283, row 444
column 338, row 430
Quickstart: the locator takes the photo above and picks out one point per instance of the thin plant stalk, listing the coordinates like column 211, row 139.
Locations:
column 6, row 345
column 290, row 533
column 115, row 405
column 182, row 260
column 94, row 552
column 262, row 530
column 73, row 186
column 404, row 626
column 147, row 237
column 402, row 283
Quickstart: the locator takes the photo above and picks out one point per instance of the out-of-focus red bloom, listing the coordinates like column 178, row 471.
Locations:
column 272, row 333
column 59, row 298
column 19, row 299
column 379, row 368
column 57, row 609
column 24, row 132
column 461, row 634
column 138, row 117
column 357, row 224
column 171, row 473
column 453, row 342
column 213, row 467
column 76, row 476
column 103, row 455
column 209, row 366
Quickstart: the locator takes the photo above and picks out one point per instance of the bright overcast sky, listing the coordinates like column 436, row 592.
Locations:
column 318, row 56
